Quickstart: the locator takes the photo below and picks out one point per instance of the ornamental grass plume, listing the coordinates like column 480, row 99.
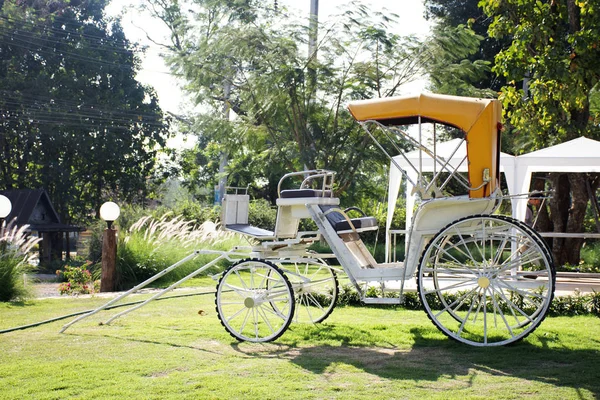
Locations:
column 151, row 245
column 15, row 261
column 186, row 233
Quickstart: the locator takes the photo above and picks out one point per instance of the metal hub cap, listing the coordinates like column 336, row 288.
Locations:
column 483, row 282
column 249, row 302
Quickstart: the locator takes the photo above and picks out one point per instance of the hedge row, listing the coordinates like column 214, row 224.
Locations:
column 576, row 304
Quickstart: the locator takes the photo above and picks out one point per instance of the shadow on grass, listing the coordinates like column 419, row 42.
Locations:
column 145, row 341
column 431, row 358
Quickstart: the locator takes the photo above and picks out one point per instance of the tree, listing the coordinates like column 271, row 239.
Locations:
column 283, row 124
column 455, row 13
column 450, row 69
column 74, row 119
column 555, row 46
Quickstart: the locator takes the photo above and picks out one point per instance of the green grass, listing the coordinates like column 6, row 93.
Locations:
column 177, row 349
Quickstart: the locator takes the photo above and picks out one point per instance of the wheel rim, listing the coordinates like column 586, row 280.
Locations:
column 486, row 281
column 255, row 301
column 316, row 290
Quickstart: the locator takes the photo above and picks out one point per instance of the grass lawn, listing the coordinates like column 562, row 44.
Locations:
column 177, row 349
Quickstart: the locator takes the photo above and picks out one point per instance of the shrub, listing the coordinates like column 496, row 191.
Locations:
column 261, row 214
column 129, row 215
column 590, row 258
column 79, row 280
column 576, row 304
column 15, row 257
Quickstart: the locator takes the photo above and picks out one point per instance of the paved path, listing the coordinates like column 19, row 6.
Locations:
column 569, row 282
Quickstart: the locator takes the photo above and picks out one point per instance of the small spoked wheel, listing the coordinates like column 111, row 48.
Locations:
column 486, row 280
column 316, row 289
column 255, row 301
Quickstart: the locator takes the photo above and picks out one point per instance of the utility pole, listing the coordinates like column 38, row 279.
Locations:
column 224, row 154
column 313, row 33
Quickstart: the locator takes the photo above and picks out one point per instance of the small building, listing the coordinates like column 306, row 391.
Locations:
column 33, row 207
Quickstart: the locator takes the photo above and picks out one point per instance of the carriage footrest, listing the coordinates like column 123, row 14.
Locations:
column 250, row 230
column 383, row 300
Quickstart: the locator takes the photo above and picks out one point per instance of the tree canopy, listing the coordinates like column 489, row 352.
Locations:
column 74, row 120
column 554, row 50
column 454, row 13
column 250, row 57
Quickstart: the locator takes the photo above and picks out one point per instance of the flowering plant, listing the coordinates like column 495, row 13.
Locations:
column 79, row 280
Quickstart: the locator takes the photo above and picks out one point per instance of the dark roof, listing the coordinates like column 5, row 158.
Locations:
column 33, row 207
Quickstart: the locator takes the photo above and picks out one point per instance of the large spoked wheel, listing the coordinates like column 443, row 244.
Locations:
column 526, row 228
column 486, row 280
column 316, row 290
column 255, row 301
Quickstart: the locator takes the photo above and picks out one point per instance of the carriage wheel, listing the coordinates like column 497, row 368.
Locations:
column 255, row 301
column 521, row 225
column 486, row 280
column 316, row 290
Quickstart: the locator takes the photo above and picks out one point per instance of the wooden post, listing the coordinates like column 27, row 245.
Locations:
column 109, row 258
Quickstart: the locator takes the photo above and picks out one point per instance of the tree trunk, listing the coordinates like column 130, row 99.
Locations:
column 559, row 208
column 579, row 202
column 543, row 223
column 568, row 208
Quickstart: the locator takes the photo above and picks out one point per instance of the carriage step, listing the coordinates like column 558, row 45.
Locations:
column 383, row 300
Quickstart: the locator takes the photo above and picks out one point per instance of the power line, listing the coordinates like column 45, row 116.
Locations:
column 72, row 40
column 31, row 100
column 65, row 30
column 40, row 48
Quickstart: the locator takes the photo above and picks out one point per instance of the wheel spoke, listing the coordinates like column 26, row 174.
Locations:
column 237, row 272
column 261, row 311
column 485, row 331
column 459, row 300
column 497, row 306
column 255, row 316
column 465, row 319
column 245, row 319
column 514, row 307
column 240, row 292
column 236, row 314
column 525, row 294
column 462, row 240
column 452, row 287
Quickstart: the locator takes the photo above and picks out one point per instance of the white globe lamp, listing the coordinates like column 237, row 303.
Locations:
column 5, row 208
column 109, row 212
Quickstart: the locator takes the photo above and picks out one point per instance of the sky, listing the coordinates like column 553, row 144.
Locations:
column 156, row 74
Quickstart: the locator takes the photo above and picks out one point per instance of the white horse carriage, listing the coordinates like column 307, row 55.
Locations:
column 483, row 279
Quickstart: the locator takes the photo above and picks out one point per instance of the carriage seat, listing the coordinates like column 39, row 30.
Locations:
column 234, row 217
column 301, row 193
column 341, row 224
column 298, row 198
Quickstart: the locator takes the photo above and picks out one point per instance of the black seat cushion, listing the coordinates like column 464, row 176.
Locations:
column 299, row 193
column 359, row 224
column 340, row 223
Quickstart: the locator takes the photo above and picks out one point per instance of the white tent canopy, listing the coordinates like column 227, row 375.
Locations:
column 577, row 155
column 450, row 151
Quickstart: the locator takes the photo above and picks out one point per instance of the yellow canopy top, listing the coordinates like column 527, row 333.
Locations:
column 461, row 112
column 478, row 118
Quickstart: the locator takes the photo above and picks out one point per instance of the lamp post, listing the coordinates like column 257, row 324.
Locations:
column 109, row 212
